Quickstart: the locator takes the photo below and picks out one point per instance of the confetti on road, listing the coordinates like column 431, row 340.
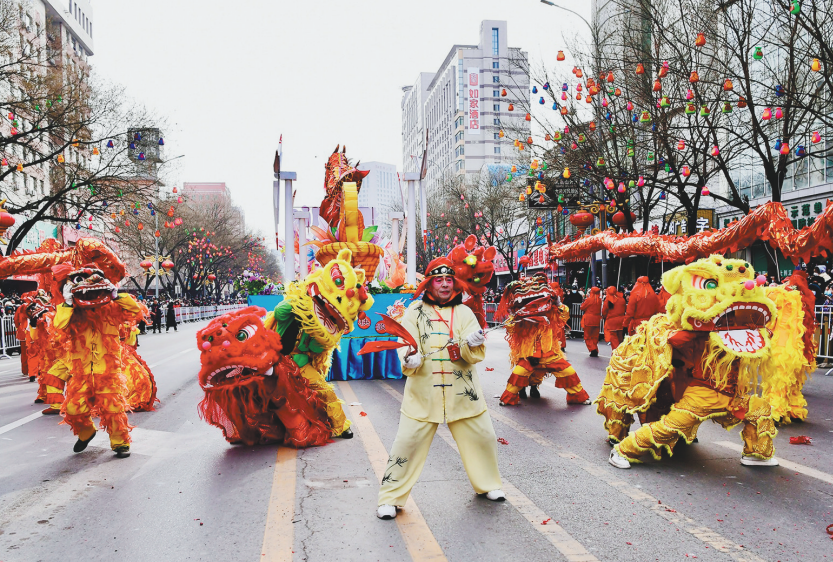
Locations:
column 502, row 441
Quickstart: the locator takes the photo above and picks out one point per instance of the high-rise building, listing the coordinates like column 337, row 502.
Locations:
column 206, row 192
column 380, row 190
column 57, row 37
column 455, row 119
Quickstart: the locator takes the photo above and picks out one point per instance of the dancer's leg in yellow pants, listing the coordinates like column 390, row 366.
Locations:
column 697, row 405
column 325, row 392
column 82, row 394
column 475, row 439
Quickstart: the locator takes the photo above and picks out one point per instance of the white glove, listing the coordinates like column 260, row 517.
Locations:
column 115, row 293
column 413, row 361
column 67, row 292
column 476, row 339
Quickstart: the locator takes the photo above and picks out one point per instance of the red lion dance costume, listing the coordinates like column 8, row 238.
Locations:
column 253, row 393
column 89, row 367
column 536, row 322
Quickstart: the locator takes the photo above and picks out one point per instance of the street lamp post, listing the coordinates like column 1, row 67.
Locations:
column 411, row 178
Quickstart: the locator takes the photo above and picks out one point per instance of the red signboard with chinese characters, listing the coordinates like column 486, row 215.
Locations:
column 474, row 101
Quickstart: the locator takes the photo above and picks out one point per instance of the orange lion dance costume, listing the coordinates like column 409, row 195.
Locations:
column 253, row 393
column 89, row 367
column 536, row 318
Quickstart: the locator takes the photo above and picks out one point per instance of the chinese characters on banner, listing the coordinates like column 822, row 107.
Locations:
column 474, row 101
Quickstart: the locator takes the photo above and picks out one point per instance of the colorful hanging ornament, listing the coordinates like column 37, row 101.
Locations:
column 700, row 41
column 758, row 54
column 560, row 56
column 815, row 137
column 640, row 69
column 694, row 77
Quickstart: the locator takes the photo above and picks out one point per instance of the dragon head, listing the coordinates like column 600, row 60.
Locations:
column 89, row 286
column 529, row 296
column 331, row 299
column 36, row 304
column 235, row 348
column 725, row 297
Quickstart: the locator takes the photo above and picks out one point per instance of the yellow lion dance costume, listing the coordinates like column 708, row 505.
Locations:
column 701, row 360
column 311, row 320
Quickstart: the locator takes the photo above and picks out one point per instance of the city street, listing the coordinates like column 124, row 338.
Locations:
column 185, row 494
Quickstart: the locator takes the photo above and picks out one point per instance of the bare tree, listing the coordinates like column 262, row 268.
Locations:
column 65, row 152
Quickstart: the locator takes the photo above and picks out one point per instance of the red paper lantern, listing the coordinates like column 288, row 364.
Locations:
column 619, row 218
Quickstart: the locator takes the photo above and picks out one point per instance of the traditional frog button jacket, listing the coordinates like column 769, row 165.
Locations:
column 441, row 390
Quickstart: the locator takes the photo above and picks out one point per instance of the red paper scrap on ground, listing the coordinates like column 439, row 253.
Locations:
column 545, row 521
column 800, row 440
column 502, row 441
column 489, row 368
column 362, row 413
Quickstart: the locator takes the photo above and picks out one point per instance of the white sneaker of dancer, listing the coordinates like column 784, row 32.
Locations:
column 386, row 512
column 618, row 460
column 496, row 496
column 755, row 461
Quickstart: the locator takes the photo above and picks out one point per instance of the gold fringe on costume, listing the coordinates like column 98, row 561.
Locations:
column 636, row 369
column 786, row 369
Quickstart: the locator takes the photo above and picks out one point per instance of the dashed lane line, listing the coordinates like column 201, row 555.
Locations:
column 704, row 534
column 419, row 540
column 794, row 466
column 10, row 426
column 279, row 534
column 31, row 417
column 572, row 550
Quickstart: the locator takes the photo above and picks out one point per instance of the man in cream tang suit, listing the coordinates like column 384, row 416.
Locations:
column 442, row 386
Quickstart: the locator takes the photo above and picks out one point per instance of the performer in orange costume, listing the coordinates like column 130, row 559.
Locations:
column 643, row 304
column 590, row 320
column 141, row 384
column 565, row 313
column 613, row 311
column 91, row 366
column 40, row 314
column 536, row 319
column 21, row 324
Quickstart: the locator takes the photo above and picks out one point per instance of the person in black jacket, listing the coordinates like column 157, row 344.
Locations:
column 170, row 317
column 156, row 316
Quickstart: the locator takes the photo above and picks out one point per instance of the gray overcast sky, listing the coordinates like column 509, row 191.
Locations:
column 231, row 76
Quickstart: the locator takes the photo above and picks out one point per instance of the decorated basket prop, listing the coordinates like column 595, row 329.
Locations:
column 351, row 234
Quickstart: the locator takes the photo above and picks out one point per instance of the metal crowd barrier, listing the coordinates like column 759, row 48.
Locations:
column 576, row 313
column 9, row 341
column 490, row 308
column 823, row 337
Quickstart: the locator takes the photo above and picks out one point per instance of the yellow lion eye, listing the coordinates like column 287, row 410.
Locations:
column 710, row 284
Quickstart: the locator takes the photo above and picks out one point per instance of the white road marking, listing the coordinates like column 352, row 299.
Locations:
column 18, row 423
column 27, row 419
column 569, row 547
column 713, row 539
column 794, row 466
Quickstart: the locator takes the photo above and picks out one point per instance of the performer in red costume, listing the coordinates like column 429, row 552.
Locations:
column 643, row 304
column 253, row 393
column 591, row 319
column 613, row 311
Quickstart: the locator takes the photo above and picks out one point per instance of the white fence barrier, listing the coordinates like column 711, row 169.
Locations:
column 9, row 341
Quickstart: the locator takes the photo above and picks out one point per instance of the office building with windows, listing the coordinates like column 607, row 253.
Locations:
column 380, row 190
column 454, row 116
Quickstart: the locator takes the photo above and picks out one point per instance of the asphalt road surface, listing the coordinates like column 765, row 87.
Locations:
column 185, row 494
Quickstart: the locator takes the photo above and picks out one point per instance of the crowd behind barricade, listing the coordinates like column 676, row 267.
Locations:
column 163, row 313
